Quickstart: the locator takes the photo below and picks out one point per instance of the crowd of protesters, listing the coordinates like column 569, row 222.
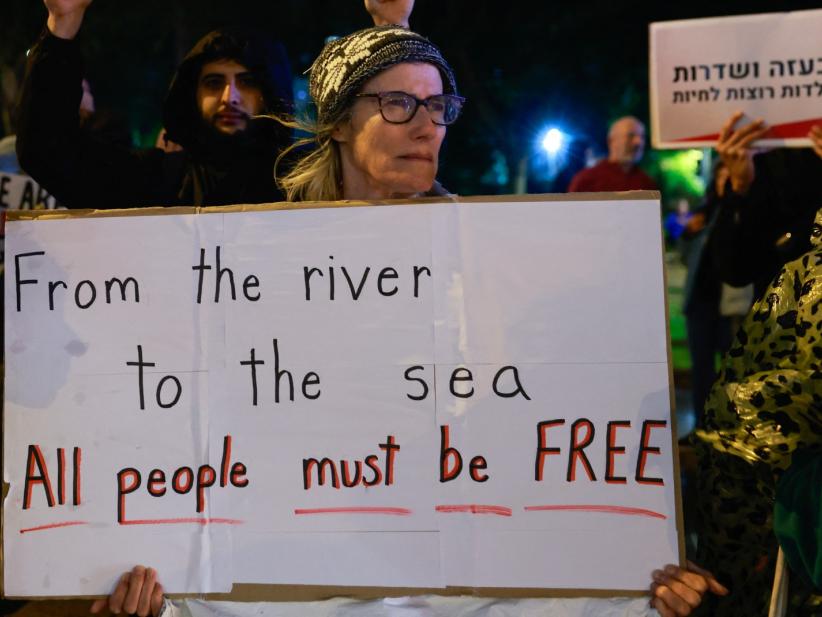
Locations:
column 384, row 98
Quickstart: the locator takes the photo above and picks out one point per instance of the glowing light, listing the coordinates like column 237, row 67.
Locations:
column 552, row 141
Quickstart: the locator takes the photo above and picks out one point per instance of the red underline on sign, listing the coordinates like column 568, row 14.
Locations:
column 390, row 511
column 177, row 521
column 475, row 509
column 54, row 526
column 599, row 508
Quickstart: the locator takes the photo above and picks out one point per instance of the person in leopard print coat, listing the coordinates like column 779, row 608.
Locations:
column 762, row 420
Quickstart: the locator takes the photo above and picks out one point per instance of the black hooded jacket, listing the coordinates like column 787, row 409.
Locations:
column 756, row 234
column 82, row 171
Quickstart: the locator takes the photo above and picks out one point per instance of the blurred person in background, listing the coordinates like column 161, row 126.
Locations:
column 767, row 211
column 620, row 171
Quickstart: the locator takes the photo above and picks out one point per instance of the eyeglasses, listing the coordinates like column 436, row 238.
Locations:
column 400, row 107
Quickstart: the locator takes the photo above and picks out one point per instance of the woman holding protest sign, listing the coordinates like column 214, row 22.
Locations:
column 373, row 141
column 384, row 97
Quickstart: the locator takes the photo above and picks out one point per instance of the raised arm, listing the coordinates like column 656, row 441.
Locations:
column 387, row 12
column 815, row 135
column 734, row 148
column 80, row 168
column 66, row 17
column 766, row 216
column 739, row 242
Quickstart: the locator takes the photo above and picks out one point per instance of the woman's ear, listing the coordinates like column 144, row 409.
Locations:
column 341, row 133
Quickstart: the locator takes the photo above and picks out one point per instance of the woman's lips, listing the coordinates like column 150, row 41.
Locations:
column 418, row 157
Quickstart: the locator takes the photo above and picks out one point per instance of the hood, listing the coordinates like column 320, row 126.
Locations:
column 263, row 56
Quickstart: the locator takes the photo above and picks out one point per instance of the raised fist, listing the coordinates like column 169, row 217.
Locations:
column 386, row 12
column 66, row 16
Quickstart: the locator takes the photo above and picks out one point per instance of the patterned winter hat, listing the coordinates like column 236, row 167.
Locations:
column 346, row 63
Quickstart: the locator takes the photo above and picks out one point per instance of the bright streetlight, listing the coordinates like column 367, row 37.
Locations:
column 552, row 141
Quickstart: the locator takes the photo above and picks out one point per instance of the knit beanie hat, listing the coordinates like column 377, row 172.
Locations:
column 345, row 64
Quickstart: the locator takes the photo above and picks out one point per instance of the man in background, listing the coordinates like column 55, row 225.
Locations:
column 620, row 171
column 226, row 79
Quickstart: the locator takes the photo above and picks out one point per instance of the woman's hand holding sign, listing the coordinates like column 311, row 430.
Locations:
column 137, row 593
column 677, row 591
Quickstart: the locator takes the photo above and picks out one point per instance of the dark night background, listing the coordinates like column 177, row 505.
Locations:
column 521, row 65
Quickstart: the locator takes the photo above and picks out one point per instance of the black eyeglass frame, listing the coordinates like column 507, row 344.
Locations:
column 417, row 102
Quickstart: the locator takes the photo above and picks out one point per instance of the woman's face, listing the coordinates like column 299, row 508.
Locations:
column 383, row 160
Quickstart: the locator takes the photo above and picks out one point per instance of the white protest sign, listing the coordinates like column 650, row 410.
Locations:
column 469, row 394
column 703, row 70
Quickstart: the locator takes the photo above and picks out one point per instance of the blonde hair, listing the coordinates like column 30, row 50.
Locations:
column 316, row 176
